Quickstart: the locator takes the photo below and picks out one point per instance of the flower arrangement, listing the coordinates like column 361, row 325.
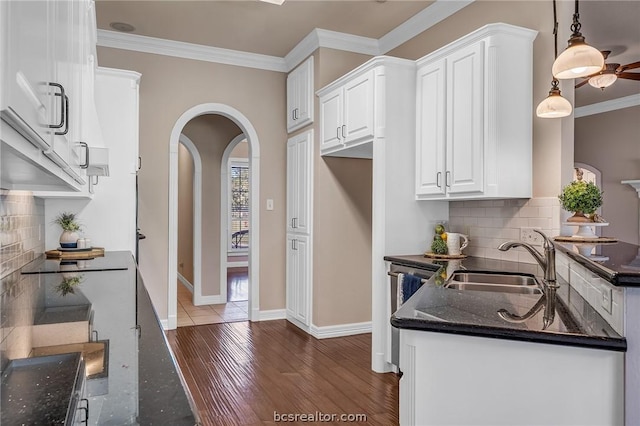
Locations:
column 67, row 221
column 581, row 198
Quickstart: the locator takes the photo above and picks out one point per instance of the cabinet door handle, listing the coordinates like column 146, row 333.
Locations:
column 61, row 94
column 86, row 155
column 139, row 163
column 86, row 411
column 343, row 127
column 65, row 117
column 296, row 114
column 438, row 179
column 295, row 222
column 446, row 180
column 338, row 132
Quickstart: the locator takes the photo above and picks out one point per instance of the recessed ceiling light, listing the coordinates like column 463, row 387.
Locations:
column 122, row 26
column 278, row 2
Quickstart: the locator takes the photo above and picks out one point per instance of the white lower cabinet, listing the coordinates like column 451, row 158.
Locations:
column 299, row 280
column 474, row 117
column 466, row 380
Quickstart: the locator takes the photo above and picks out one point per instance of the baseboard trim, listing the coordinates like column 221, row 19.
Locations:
column 185, row 282
column 274, row 314
column 216, row 299
column 165, row 324
column 341, row 330
column 237, row 264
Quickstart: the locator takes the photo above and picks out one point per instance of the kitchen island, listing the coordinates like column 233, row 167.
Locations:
column 556, row 362
column 134, row 380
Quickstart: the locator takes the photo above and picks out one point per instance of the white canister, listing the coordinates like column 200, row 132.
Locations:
column 87, row 243
column 81, row 243
column 453, row 243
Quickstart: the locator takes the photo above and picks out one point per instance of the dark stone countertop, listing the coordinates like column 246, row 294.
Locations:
column 141, row 383
column 112, row 260
column 621, row 268
column 438, row 309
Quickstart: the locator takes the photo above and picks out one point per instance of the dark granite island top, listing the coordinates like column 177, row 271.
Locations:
column 139, row 383
column 446, row 310
column 621, row 267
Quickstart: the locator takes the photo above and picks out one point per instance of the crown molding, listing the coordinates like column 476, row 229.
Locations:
column 606, row 106
column 420, row 22
column 423, row 20
column 196, row 52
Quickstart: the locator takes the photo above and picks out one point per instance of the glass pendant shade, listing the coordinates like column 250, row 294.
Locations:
column 578, row 60
column 554, row 105
column 603, row 80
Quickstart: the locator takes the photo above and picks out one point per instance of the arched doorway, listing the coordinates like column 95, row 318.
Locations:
column 254, row 162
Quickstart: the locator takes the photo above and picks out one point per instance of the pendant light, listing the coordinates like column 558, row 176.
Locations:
column 579, row 59
column 554, row 105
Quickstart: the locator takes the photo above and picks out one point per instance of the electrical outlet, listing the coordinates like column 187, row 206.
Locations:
column 527, row 235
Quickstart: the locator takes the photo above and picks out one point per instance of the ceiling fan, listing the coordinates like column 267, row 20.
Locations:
column 610, row 73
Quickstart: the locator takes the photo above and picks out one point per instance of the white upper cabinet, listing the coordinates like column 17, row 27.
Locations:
column 347, row 112
column 355, row 110
column 47, row 48
column 300, row 96
column 474, row 117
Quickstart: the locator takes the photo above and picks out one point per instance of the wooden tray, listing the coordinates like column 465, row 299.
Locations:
column 572, row 239
column 87, row 254
column 444, row 256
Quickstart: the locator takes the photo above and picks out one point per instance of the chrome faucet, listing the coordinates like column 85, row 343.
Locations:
column 548, row 262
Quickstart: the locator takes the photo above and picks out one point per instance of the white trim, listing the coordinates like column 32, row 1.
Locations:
column 165, row 324
column 274, row 314
column 233, row 162
column 237, row 264
column 606, row 106
column 224, row 210
column 420, row 22
column 198, row 52
column 197, row 218
column 185, row 282
column 254, row 183
column 114, row 72
column 341, row 330
column 423, row 20
column 215, row 299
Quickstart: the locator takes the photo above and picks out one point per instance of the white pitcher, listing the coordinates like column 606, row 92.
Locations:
column 453, row 243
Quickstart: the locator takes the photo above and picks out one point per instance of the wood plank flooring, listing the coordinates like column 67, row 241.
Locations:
column 242, row 373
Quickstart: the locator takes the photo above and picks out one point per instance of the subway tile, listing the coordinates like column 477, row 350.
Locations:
column 528, row 212
column 545, row 212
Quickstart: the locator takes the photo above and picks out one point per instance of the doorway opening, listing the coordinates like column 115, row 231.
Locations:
column 200, row 297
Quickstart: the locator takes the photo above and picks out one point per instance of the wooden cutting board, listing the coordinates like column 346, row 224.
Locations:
column 87, row 254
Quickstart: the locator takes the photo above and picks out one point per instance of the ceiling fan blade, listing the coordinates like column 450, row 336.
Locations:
column 582, row 83
column 630, row 66
column 630, row 75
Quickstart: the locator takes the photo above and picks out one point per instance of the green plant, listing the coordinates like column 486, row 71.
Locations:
column 67, row 221
column 581, row 196
column 439, row 246
column 67, row 286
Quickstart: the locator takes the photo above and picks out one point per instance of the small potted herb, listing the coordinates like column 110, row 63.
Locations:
column 70, row 227
column 582, row 199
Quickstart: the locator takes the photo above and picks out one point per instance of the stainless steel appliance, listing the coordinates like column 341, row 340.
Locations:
column 423, row 272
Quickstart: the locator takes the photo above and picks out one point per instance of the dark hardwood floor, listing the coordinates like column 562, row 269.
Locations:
column 243, row 373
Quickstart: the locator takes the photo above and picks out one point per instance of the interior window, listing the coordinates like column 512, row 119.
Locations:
column 238, row 205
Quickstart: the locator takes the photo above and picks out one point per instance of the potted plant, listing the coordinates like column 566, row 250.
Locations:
column 582, row 199
column 70, row 227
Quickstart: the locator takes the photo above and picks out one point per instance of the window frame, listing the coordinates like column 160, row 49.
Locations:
column 242, row 163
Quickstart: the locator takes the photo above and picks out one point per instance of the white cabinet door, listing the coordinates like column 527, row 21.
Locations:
column 298, row 277
column 299, row 182
column 331, row 119
column 358, row 122
column 430, row 133
column 26, row 100
column 300, row 96
column 465, row 130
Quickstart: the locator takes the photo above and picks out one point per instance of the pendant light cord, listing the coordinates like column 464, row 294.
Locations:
column 576, row 25
column 555, row 82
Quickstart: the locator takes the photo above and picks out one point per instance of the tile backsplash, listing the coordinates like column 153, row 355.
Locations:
column 489, row 223
column 21, row 240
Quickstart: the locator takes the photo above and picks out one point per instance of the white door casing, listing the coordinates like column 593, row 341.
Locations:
column 254, row 186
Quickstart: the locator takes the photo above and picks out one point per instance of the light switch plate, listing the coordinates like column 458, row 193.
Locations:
column 269, row 204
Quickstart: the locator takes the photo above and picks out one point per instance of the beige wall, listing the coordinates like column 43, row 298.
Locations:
column 211, row 134
column 168, row 88
column 240, row 151
column 342, row 218
column 609, row 142
column 185, row 213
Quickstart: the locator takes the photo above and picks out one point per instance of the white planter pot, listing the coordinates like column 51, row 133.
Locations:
column 69, row 239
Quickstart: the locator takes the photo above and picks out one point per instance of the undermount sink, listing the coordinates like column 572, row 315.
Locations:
column 495, row 281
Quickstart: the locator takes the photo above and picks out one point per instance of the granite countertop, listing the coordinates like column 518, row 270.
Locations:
column 621, row 266
column 573, row 321
column 141, row 383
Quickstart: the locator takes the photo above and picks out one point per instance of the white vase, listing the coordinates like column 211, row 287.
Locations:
column 69, row 239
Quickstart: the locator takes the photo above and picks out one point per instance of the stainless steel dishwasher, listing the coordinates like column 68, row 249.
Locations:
column 396, row 268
